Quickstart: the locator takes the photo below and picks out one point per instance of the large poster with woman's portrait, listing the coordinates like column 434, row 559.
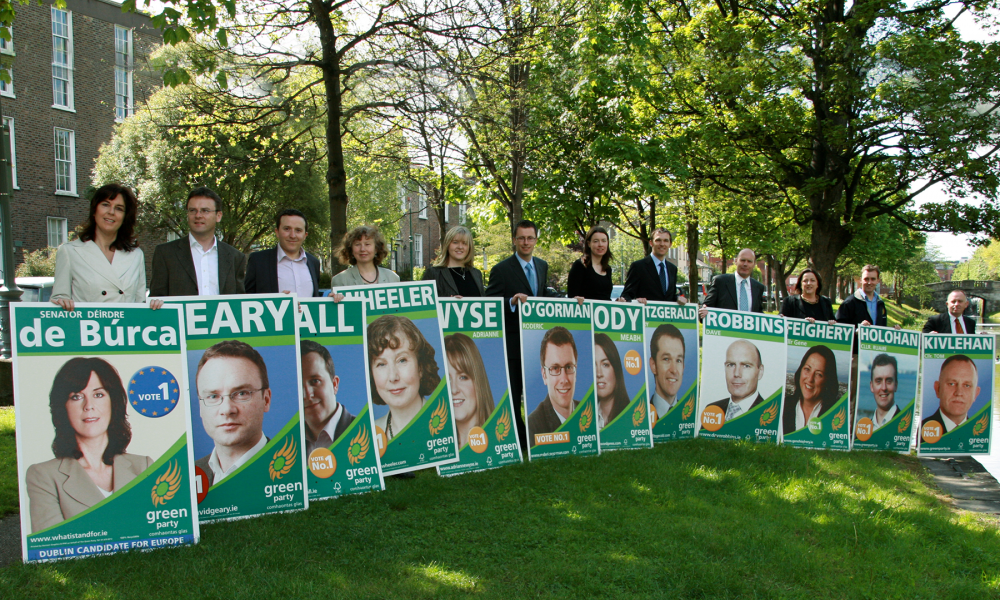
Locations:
column 407, row 365
column 742, row 376
column 246, row 402
column 477, row 378
column 342, row 450
column 816, row 411
column 103, row 458
column 671, row 340
column 557, row 362
column 888, row 367
column 956, row 391
column 620, row 376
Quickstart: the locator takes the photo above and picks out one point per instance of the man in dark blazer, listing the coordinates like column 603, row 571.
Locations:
column 326, row 418
column 558, row 359
column 198, row 264
column 725, row 292
column 956, row 388
column 509, row 279
column 954, row 320
column 287, row 267
column 654, row 277
column 744, row 370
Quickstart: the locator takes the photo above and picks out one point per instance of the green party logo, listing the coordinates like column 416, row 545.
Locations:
column 688, row 408
column 283, row 460
column 503, row 425
column 438, row 418
column 587, row 416
column 358, row 449
column 904, row 423
column 980, row 425
column 167, row 484
column 638, row 414
column 839, row 419
column 769, row 414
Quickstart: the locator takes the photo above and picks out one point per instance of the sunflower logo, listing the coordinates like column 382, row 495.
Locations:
column 359, row 446
column 904, row 423
column 167, row 484
column 503, row 425
column 283, row 460
column 688, row 408
column 839, row 419
column 587, row 416
column 769, row 415
column 639, row 414
column 980, row 425
column 438, row 418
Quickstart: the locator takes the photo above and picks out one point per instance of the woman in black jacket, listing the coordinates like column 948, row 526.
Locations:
column 809, row 304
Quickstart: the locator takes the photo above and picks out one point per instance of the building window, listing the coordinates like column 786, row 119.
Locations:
column 9, row 122
column 5, row 46
column 62, row 59
column 405, row 205
column 418, row 250
column 123, row 73
column 422, row 202
column 463, row 208
column 57, row 231
column 7, row 89
column 65, row 161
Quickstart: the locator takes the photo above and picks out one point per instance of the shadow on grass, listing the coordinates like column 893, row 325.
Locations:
column 699, row 519
column 8, row 462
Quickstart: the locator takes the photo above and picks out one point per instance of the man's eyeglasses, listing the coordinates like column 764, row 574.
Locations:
column 557, row 370
column 201, row 211
column 239, row 397
column 524, row 239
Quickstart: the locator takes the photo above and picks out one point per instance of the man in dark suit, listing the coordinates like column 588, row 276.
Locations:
column 957, row 388
column 558, row 358
column 736, row 291
column 654, row 277
column 744, row 369
column 287, row 267
column 509, row 278
column 198, row 264
column 326, row 419
column 954, row 320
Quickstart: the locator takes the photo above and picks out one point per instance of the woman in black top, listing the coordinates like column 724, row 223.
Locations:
column 453, row 270
column 808, row 305
column 590, row 276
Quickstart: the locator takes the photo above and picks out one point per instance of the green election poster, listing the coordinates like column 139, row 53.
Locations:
column 103, row 457
column 956, row 391
column 619, row 376
column 406, row 366
column 557, row 363
column 477, row 378
column 888, row 367
column 671, row 338
column 816, row 412
column 246, row 402
column 743, row 363
column 341, row 449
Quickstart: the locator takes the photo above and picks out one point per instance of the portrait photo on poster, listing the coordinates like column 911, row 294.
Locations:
column 552, row 396
column 887, row 383
column 954, row 389
column 673, row 364
column 615, row 382
column 478, row 385
column 815, row 373
column 740, row 369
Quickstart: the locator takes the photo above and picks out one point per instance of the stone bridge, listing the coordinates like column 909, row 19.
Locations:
column 988, row 291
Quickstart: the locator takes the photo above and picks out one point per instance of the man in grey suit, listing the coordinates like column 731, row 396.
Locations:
column 198, row 264
column 736, row 291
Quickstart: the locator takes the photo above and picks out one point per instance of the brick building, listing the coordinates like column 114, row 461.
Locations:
column 420, row 222
column 75, row 72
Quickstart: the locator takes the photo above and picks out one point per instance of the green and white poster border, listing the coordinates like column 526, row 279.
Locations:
column 621, row 327
column 677, row 325
column 898, row 350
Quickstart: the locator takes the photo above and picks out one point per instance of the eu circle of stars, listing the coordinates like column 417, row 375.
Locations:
column 153, row 392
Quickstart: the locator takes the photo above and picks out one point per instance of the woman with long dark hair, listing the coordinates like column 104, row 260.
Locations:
column 590, row 276
column 816, row 389
column 612, row 397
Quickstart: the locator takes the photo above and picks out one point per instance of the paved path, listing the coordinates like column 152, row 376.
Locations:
column 971, row 486
column 10, row 540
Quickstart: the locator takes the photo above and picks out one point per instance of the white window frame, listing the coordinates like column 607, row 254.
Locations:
column 418, row 250
column 446, row 219
column 13, row 152
column 60, row 227
column 463, row 210
column 421, row 202
column 71, row 160
column 5, row 46
column 124, row 99
column 7, row 89
column 68, row 66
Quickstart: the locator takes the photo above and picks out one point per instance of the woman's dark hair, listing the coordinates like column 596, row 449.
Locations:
column 819, row 281
column 387, row 331
column 346, row 254
column 124, row 241
column 611, row 351
column 72, row 378
column 831, row 387
column 606, row 260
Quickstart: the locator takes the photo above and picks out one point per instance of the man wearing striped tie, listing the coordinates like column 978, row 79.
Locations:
column 744, row 369
column 736, row 291
column 953, row 321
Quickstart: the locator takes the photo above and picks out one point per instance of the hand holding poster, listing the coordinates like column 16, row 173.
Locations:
column 818, row 375
column 619, row 376
column 102, row 430
column 744, row 364
column 558, row 366
column 243, row 364
column 406, row 363
column 957, row 393
column 341, row 449
column 888, row 364
column 671, row 336
column 477, row 377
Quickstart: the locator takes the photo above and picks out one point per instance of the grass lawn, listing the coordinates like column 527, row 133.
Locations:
column 8, row 462
column 698, row 519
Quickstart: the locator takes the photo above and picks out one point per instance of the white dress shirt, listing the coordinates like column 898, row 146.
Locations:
column 739, row 282
column 951, row 320
column 744, row 404
column 206, row 266
column 293, row 274
column 662, row 406
column 888, row 416
column 216, row 466
column 948, row 423
column 800, row 416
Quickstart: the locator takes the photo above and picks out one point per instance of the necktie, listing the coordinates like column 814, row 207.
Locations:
column 529, row 271
column 744, row 297
column 663, row 277
column 958, row 326
column 733, row 411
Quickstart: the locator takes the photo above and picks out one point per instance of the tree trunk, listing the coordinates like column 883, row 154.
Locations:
column 768, row 262
column 829, row 239
column 692, row 248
